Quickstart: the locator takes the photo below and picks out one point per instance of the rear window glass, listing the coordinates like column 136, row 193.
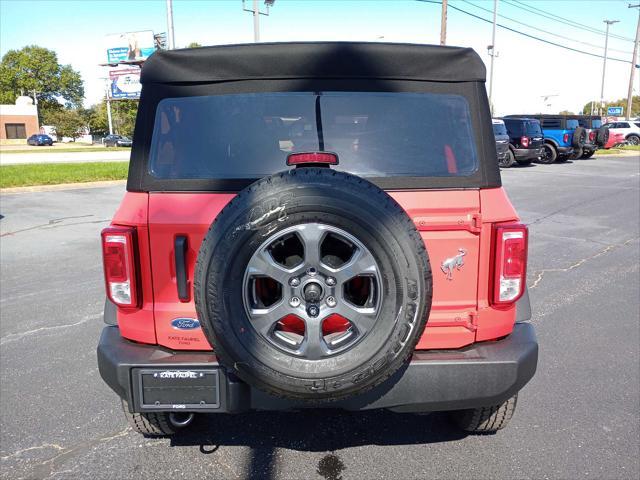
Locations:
column 499, row 129
column 533, row 127
column 596, row 123
column 571, row 124
column 374, row 134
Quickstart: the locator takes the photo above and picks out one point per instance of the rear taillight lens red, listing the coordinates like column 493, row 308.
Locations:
column 565, row 138
column 592, row 136
column 312, row 158
column 524, row 141
column 118, row 253
column 510, row 263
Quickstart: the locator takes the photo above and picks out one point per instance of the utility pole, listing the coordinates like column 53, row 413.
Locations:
column 170, row 36
column 256, row 22
column 634, row 62
column 443, row 24
column 604, row 65
column 255, row 11
column 492, row 52
column 108, row 100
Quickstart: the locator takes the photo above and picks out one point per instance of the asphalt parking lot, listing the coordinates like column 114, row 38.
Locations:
column 578, row 418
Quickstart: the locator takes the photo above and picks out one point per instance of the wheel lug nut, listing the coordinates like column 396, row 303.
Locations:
column 294, row 282
column 313, row 310
column 331, row 302
column 330, row 281
column 294, row 302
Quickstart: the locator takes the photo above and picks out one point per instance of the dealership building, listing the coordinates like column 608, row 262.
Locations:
column 19, row 121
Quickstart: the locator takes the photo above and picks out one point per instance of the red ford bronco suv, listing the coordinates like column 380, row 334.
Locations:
column 315, row 225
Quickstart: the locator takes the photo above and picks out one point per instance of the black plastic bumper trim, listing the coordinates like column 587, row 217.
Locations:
column 483, row 374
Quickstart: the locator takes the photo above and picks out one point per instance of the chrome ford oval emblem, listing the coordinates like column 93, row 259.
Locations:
column 185, row 323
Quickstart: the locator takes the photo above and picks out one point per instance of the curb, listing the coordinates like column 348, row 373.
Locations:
column 62, row 186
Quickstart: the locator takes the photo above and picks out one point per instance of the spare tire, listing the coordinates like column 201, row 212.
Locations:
column 313, row 284
column 579, row 137
column 603, row 136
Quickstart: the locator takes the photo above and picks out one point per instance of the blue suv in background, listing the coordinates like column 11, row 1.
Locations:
column 564, row 138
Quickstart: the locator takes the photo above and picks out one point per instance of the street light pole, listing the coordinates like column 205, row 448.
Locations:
column 108, row 100
column 443, row 24
column 492, row 53
column 170, row 36
column 634, row 62
column 256, row 22
column 604, row 65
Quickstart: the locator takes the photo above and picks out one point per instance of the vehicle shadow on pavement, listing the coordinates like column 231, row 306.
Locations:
column 321, row 430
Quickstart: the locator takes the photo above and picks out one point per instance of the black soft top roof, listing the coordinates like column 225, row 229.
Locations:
column 314, row 60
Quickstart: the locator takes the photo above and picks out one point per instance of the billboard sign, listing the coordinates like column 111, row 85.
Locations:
column 129, row 47
column 615, row 111
column 125, row 83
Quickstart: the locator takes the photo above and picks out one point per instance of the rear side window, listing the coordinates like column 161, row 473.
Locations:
column 551, row 123
column 249, row 136
column 499, row 129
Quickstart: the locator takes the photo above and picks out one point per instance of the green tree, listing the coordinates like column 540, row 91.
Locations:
column 36, row 69
column 67, row 122
column 566, row 112
column 635, row 106
column 194, row 45
column 123, row 116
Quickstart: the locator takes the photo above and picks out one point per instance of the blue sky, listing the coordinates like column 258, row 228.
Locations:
column 525, row 70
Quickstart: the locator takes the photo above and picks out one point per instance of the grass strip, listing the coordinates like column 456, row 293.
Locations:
column 55, row 173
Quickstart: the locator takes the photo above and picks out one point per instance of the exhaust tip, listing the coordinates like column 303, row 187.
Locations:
column 180, row 420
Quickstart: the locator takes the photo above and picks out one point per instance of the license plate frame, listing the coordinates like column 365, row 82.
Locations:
column 182, row 382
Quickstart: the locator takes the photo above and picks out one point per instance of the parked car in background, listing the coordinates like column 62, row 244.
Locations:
column 630, row 130
column 563, row 137
column 525, row 140
column 597, row 134
column 505, row 157
column 615, row 139
column 116, row 141
column 39, row 140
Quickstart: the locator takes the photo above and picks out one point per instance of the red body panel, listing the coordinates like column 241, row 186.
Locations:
column 449, row 222
column 139, row 324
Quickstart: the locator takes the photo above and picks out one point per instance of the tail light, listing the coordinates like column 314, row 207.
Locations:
column 118, row 253
column 312, row 158
column 524, row 141
column 592, row 136
column 565, row 138
column 510, row 263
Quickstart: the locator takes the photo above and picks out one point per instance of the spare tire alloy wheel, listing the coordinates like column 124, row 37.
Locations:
column 602, row 137
column 579, row 137
column 313, row 284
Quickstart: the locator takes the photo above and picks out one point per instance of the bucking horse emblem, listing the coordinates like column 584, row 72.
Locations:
column 453, row 263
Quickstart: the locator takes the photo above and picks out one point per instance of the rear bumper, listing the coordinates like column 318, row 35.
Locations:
column 565, row 150
column 483, row 374
column 528, row 154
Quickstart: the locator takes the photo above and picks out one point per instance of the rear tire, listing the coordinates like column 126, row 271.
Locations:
column 486, row 419
column 633, row 139
column 577, row 153
column 549, row 154
column 508, row 161
column 150, row 424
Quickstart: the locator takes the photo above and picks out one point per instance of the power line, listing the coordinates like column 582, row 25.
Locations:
column 544, row 31
column 566, row 21
column 532, row 36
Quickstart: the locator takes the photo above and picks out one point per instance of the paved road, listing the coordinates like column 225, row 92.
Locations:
column 578, row 418
column 63, row 157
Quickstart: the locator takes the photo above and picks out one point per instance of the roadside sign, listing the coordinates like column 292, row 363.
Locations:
column 125, row 83
column 615, row 111
column 129, row 47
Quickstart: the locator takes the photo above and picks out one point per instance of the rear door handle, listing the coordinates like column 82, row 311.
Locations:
column 180, row 249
